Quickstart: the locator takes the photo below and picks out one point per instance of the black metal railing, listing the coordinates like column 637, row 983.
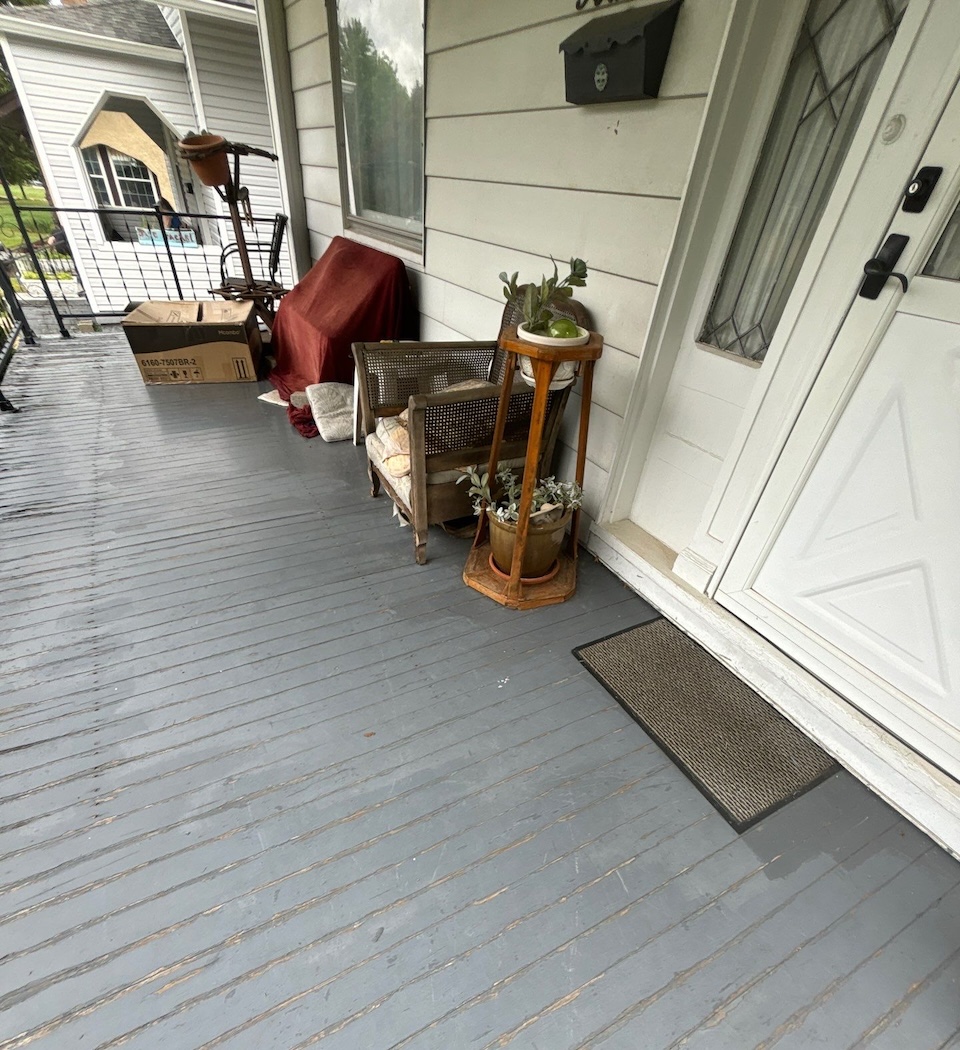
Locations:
column 14, row 327
column 94, row 262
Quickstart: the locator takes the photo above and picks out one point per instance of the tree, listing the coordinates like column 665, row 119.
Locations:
column 17, row 157
column 383, row 122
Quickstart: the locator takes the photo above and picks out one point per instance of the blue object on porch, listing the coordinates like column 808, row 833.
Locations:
column 179, row 238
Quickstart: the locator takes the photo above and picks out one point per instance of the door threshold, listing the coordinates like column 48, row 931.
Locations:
column 924, row 794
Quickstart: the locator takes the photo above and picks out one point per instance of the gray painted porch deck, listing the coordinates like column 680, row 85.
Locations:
column 264, row 782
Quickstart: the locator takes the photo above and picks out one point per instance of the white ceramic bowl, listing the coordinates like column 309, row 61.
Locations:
column 537, row 339
column 565, row 374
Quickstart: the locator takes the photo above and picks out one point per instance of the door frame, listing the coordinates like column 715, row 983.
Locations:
column 758, row 42
column 865, row 328
column 903, row 108
column 682, row 588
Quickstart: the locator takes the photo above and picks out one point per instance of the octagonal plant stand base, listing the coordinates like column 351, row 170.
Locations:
column 479, row 575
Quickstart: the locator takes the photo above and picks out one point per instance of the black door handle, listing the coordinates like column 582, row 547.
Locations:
column 881, row 267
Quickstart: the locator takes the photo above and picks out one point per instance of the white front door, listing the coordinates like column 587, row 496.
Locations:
column 851, row 561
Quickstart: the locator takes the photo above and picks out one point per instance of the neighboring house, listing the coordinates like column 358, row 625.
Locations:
column 773, row 460
column 107, row 88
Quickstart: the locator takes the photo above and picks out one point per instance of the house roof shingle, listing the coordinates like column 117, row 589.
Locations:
column 136, row 20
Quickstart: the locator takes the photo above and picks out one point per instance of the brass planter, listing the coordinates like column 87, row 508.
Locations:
column 543, row 545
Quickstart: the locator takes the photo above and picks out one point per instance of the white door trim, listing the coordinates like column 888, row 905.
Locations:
column 911, row 699
column 900, row 114
column 755, row 53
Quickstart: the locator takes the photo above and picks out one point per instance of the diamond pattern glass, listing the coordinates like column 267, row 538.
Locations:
column 838, row 57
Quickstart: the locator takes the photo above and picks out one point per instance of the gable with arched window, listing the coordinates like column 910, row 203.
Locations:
column 130, row 161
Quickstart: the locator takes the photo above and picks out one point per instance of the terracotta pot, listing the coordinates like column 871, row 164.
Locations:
column 213, row 169
column 543, row 544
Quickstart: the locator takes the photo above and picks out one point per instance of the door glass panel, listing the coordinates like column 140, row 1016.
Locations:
column 945, row 260
column 842, row 46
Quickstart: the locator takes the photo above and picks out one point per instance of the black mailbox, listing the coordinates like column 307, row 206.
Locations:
column 620, row 57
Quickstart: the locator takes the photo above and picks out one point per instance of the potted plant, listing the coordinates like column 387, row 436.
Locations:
column 541, row 325
column 553, row 505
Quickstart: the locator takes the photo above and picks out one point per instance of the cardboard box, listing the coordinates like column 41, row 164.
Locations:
column 190, row 342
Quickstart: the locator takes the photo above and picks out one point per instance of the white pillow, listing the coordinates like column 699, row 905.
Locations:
column 332, row 407
column 396, row 446
column 394, row 435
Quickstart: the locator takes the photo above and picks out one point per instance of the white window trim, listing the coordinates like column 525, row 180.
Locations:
column 112, row 179
column 151, row 179
column 366, row 229
column 94, row 228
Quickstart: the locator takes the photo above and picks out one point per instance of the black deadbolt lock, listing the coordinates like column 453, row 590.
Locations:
column 916, row 195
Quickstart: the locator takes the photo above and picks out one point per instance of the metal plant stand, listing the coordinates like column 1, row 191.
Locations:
column 263, row 294
column 515, row 592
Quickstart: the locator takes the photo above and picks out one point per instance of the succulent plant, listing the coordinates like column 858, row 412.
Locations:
column 548, row 495
column 536, row 298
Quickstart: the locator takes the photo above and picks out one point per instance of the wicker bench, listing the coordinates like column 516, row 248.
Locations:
column 447, row 429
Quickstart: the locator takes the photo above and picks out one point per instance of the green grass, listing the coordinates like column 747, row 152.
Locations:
column 38, row 224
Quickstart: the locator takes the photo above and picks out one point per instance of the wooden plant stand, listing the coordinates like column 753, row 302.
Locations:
column 515, row 593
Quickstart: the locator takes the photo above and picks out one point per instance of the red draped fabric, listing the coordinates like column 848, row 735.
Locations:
column 352, row 294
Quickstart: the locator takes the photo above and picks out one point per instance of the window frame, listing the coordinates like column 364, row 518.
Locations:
column 117, row 160
column 365, row 226
column 107, row 159
column 100, row 187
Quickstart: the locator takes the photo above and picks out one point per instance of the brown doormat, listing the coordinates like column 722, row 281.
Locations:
column 742, row 754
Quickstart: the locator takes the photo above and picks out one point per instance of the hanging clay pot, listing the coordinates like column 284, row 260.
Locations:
column 208, row 158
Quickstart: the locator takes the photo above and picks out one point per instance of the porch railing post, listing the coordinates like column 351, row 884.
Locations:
column 166, row 244
column 18, row 325
column 16, row 308
column 28, row 244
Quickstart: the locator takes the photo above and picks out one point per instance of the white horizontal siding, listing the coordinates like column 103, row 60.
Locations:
column 620, row 306
column 302, row 24
column 514, row 174
column 62, row 87
column 537, row 83
column 310, row 58
column 230, row 78
column 641, row 150
column 554, row 221
column 128, row 272
column 309, row 51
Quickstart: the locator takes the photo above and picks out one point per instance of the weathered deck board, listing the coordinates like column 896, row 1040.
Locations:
column 265, row 782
